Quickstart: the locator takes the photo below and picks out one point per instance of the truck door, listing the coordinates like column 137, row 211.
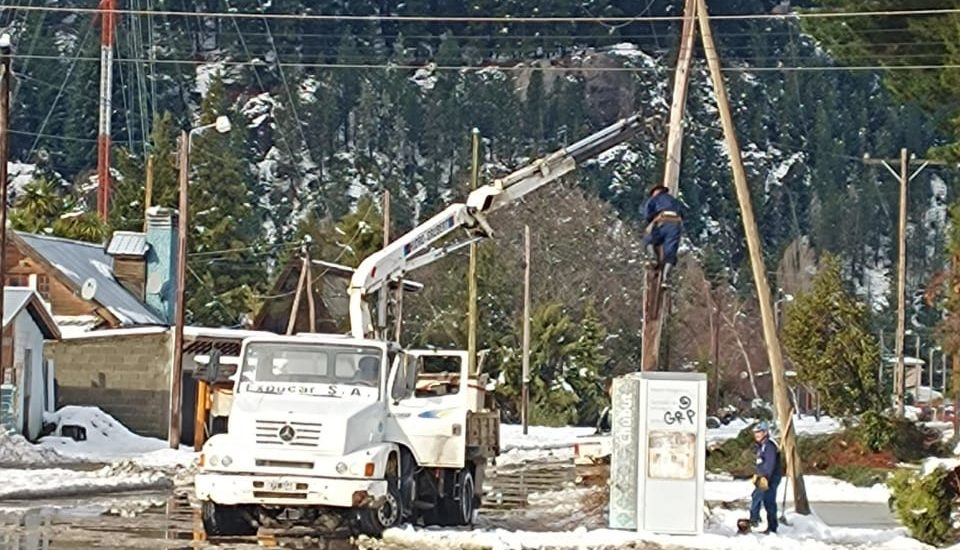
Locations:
column 428, row 405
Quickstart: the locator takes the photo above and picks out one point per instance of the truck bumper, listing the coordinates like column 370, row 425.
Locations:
column 232, row 489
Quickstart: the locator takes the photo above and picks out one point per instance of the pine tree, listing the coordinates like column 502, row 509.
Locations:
column 227, row 233
column 828, row 338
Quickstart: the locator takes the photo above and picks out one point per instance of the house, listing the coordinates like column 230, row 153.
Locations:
column 27, row 386
column 330, row 282
column 114, row 306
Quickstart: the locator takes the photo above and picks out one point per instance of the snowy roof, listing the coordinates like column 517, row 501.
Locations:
column 17, row 299
column 127, row 243
column 76, row 262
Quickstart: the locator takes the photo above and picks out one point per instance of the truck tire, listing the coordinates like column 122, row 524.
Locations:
column 456, row 508
column 460, row 510
column 226, row 521
column 375, row 520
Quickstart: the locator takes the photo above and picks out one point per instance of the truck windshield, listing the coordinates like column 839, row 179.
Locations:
column 289, row 368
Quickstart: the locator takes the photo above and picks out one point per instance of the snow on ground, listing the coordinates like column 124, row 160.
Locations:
column 54, row 466
column 819, row 489
column 802, row 533
column 16, row 450
column 108, row 439
column 551, row 444
column 50, row 482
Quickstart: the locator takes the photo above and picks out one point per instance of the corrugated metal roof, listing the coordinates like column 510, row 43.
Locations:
column 127, row 243
column 79, row 261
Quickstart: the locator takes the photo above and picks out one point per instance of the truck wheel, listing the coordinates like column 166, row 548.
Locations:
column 460, row 510
column 375, row 520
column 225, row 521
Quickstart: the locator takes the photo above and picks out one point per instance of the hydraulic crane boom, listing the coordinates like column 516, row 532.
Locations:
column 417, row 248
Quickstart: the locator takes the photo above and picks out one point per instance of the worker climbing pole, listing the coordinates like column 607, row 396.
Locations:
column 662, row 211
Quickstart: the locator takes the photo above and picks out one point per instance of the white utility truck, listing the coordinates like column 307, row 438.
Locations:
column 350, row 434
column 335, row 432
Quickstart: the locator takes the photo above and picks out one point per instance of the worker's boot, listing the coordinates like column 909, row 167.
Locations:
column 665, row 275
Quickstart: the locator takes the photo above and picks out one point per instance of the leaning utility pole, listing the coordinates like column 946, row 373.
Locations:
column 656, row 299
column 107, row 19
column 472, row 268
column 774, row 353
column 681, row 81
column 5, row 75
column 904, row 177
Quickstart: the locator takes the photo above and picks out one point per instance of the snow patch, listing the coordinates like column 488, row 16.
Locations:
column 108, row 439
column 15, row 449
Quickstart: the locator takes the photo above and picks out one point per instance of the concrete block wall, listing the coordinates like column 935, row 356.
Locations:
column 127, row 376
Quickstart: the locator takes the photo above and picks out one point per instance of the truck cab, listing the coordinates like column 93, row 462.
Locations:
column 339, row 433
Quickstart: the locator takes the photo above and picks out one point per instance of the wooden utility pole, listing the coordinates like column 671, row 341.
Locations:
column 681, row 81
column 176, row 390
column 904, row 177
column 525, row 391
column 148, row 191
column 656, row 300
column 5, row 76
column 308, row 266
column 899, row 378
column 386, row 218
column 295, row 309
column 472, row 268
column 774, row 353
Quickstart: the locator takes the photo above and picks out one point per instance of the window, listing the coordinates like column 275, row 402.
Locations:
column 311, row 364
column 43, row 286
column 406, row 379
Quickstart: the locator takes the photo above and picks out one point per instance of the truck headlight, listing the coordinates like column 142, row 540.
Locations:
column 226, row 461
column 214, row 460
column 342, row 468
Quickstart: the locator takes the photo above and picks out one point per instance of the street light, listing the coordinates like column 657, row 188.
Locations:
column 222, row 125
column 785, row 298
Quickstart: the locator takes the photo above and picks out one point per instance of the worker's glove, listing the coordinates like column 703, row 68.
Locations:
column 761, row 483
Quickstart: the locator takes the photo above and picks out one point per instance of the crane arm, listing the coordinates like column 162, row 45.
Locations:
column 416, row 248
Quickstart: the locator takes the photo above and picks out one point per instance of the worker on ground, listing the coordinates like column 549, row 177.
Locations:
column 767, row 478
column 664, row 226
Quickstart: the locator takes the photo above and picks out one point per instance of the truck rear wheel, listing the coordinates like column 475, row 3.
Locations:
column 458, row 505
column 225, row 521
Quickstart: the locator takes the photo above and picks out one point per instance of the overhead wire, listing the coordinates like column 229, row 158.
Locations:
column 509, row 19
column 63, row 86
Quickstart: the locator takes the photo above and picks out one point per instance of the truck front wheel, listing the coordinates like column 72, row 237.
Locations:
column 385, row 514
column 226, row 521
column 460, row 509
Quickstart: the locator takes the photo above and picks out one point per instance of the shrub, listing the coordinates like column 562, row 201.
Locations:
column 924, row 503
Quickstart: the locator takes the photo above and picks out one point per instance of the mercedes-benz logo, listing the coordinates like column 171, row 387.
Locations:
column 287, row 433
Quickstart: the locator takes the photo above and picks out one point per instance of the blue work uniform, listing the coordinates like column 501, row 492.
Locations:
column 768, row 466
column 663, row 211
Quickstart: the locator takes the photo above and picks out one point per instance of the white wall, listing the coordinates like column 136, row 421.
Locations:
column 27, row 335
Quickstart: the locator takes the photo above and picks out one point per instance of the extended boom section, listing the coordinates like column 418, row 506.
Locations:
column 421, row 245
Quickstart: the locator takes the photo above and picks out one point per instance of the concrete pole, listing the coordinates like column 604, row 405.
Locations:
column 525, row 392
column 899, row 379
column 774, row 354
column 176, row 389
column 472, row 268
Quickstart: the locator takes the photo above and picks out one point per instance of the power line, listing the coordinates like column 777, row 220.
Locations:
column 518, row 67
column 504, row 18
